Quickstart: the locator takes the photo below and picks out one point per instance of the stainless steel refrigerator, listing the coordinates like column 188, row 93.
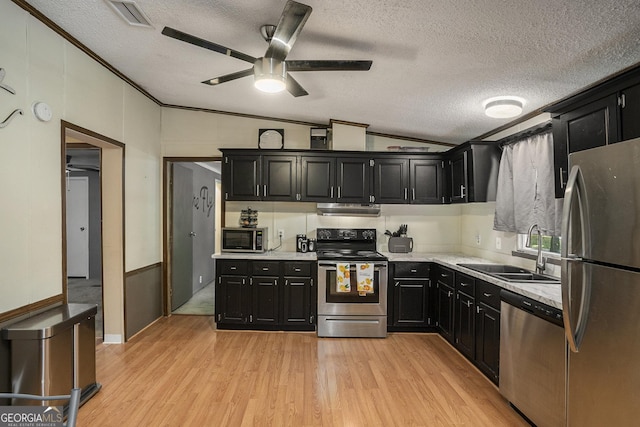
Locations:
column 601, row 285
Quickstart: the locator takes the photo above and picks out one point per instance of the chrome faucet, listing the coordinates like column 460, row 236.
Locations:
column 540, row 261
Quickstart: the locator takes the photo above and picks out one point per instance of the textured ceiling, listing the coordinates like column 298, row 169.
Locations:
column 434, row 61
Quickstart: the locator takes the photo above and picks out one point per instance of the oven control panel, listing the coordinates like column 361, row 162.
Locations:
column 341, row 234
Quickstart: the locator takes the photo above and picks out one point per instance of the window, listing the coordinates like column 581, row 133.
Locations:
column 550, row 244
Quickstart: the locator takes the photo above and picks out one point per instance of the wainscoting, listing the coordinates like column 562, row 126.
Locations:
column 142, row 298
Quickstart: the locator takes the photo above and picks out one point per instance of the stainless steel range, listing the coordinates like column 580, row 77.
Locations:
column 352, row 284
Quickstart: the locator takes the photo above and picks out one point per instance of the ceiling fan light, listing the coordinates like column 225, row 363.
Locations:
column 270, row 75
column 503, row 107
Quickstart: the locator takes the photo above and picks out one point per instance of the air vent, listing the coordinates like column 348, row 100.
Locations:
column 130, row 12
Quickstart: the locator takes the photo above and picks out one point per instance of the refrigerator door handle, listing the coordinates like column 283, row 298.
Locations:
column 575, row 198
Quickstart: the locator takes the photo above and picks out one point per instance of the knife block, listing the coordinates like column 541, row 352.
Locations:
column 401, row 245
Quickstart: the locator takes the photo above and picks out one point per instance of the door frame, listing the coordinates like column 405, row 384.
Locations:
column 166, row 220
column 112, row 157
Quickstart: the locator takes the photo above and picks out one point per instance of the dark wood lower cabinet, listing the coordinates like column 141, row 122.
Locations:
column 254, row 299
column 410, row 298
column 445, row 308
column 487, row 342
column 465, row 324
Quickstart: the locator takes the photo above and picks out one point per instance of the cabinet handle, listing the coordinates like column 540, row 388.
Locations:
column 265, row 268
column 286, row 282
column 449, row 294
column 414, row 271
column 233, row 268
column 250, row 281
column 339, row 195
column 413, row 193
column 312, row 283
column 332, row 191
column 258, row 190
column 397, row 284
column 465, row 284
column 406, row 193
column 562, row 183
column 462, row 191
column 276, row 282
column 251, row 318
column 478, row 309
column 297, row 270
column 468, row 303
column 486, row 294
column 444, row 275
column 622, row 101
column 264, row 190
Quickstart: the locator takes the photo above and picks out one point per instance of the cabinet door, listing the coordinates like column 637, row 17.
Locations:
column 297, row 301
column 488, row 341
column 464, row 324
column 630, row 112
column 318, row 179
column 264, row 301
column 279, row 178
column 391, row 180
column 353, row 180
column 445, row 310
column 426, row 181
column 232, row 299
column 241, row 177
column 589, row 126
column 458, row 177
column 411, row 302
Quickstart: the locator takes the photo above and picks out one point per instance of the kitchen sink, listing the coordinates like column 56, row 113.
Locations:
column 511, row 273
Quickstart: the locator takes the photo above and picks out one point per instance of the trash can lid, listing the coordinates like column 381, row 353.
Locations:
column 50, row 322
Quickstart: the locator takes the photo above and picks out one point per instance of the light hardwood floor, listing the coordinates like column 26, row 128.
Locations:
column 181, row 371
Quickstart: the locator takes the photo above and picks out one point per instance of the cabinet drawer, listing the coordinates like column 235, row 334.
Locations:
column 488, row 293
column 411, row 270
column 465, row 284
column 302, row 269
column 233, row 268
column 445, row 276
column 265, row 268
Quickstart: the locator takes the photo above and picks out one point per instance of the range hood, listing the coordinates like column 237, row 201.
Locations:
column 348, row 209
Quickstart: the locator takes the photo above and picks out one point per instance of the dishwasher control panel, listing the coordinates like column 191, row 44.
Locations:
column 544, row 311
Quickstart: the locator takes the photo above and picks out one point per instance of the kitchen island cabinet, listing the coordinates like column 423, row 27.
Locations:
column 265, row 294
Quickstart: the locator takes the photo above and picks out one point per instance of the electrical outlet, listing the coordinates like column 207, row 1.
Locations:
column 498, row 243
column 281, row 234
column 478, row 240
column 200, row 279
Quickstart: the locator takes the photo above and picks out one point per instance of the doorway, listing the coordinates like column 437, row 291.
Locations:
column 93, row 221
column 193, row 212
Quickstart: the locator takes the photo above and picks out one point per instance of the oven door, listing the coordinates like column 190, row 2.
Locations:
column 333, row 302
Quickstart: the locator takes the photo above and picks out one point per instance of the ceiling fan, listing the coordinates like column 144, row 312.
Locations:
column 271, row 72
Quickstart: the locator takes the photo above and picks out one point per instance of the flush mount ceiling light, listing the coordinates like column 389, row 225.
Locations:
column 270, row 75
column 503, row 107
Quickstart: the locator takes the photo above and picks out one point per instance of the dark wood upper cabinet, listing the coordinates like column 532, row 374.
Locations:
column 473, row 172
column 318, row 179
column 241, row 177
column 426, row 179
column 353, row 180
column 604, row 114
column 280, row 178
column 630, row 112
column 391, row 180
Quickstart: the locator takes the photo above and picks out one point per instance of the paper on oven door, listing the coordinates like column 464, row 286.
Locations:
column 343, row 277
column 364, row 276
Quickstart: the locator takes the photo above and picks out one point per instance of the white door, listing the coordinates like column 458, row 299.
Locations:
column 78, row 227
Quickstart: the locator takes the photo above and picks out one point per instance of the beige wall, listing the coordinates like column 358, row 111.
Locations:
column 42, row 66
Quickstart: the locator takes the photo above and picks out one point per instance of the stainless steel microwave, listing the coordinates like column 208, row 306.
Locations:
column 244, row 239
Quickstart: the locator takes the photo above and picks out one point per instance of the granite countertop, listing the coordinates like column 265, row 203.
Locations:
column 269, row 255
column 546, row 293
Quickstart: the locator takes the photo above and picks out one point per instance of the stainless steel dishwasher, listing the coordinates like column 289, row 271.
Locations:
column 532, row 359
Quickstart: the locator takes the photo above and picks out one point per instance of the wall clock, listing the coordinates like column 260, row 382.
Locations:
column 271, row 138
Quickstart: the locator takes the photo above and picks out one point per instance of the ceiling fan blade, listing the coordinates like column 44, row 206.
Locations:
column 179, row 35
column 229, row 77
column 294, row 87
column 291, row 22
column 338, row 65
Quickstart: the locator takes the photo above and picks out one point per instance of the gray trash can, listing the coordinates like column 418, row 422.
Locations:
column 53, row 352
